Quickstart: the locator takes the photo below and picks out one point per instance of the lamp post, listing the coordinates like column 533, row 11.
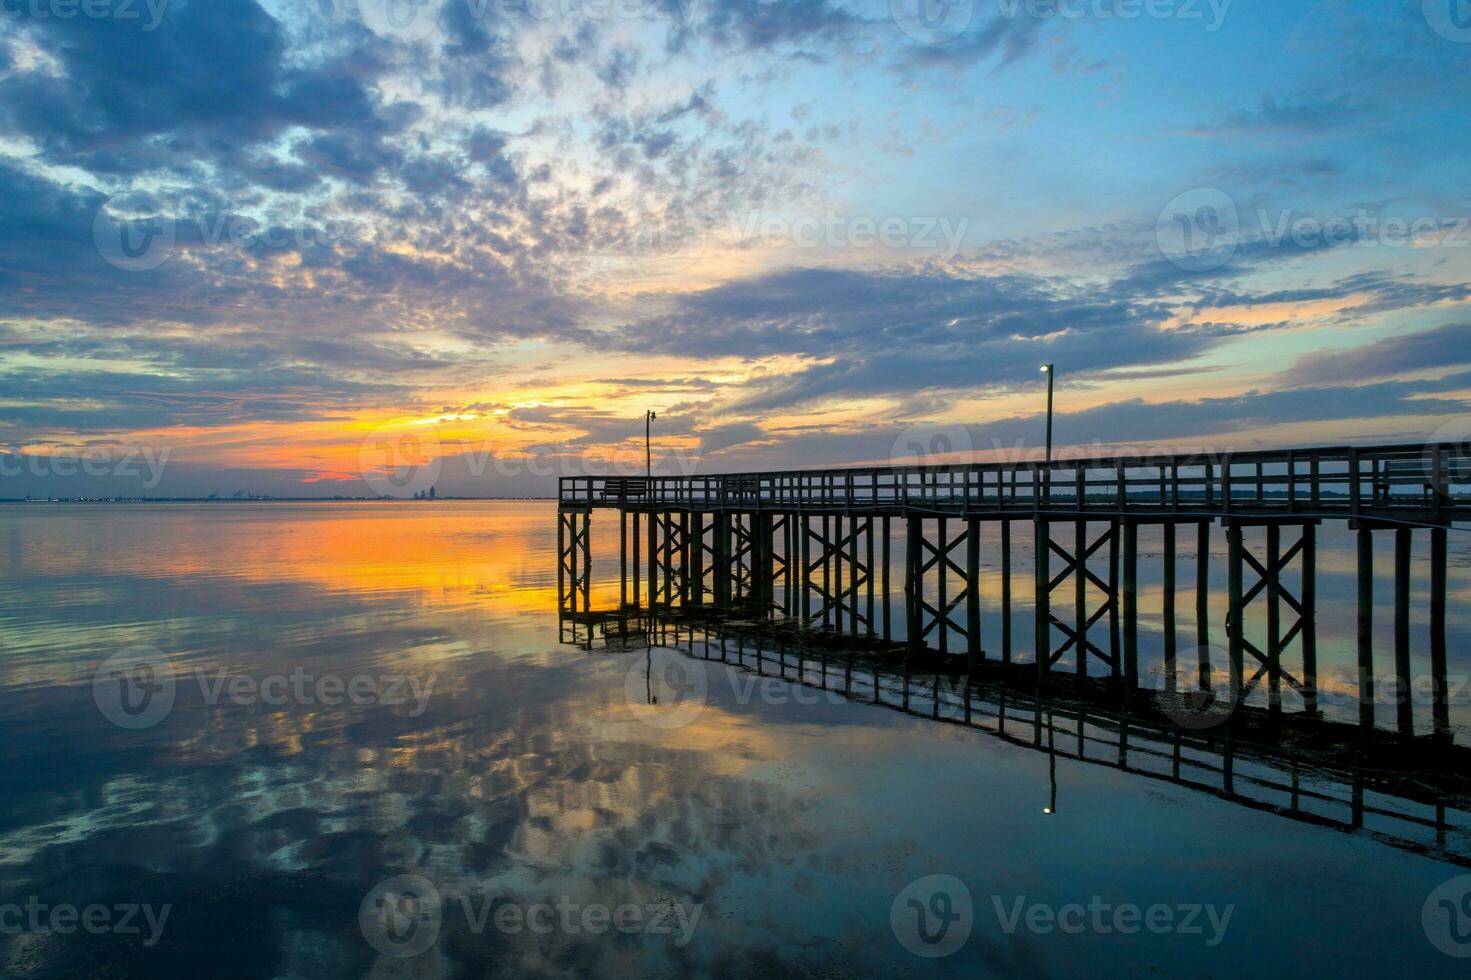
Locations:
column 649, row 417
column 1051, row 371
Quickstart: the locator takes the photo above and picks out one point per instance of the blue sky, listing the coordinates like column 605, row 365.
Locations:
column 804, row 232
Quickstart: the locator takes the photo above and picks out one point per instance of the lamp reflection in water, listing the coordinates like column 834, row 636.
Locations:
column 1051, row 806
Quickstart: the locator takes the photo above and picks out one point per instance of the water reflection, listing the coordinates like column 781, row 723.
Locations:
column 529, row 778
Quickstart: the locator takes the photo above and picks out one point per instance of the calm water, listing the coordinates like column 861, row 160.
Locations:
column 361, row 692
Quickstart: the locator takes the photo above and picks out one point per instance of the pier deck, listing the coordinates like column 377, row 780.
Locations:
column 1416, row 484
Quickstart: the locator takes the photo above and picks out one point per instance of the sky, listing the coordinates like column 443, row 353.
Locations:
column 318, row 247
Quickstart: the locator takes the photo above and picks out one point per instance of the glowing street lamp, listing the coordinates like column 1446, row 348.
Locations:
column 1051, row 371
column 649, row 417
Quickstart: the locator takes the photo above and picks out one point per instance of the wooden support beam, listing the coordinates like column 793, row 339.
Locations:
column 1404, row 707
column 1366, row 633
column 561, row 561
column 1440, row 706
column 941, row 597
column 694, row 551
column 888, row 601
column 913, row 585
column 1080, row 591
column 1006, row 591
column 868, row 583
column 1114, row 646
column 1235, row 616
column 835, row 554
column 973, row 596
column 637, row 562
column 827, row 569
column 1308, row 635
column 720, row 558
column 1042, row 628
column 653, row 522
column 804, row 524
column 1168, row 610
column 1274, row 621
column 1202, row 601
column 1131, row 607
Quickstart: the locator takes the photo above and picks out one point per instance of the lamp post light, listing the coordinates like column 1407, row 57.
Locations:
column 1051, row 371
column 649, row 417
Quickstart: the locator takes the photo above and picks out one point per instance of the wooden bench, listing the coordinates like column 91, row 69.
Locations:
column 625, row 488
column 1403, row 472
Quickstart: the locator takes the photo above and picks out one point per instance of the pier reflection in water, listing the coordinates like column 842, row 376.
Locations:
column 1425, row 812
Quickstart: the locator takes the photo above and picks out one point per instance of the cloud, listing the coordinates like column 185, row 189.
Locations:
column 1428, row 350
column 909, row 331
column 1304, row 117
column 759, row 24
column 216, row 76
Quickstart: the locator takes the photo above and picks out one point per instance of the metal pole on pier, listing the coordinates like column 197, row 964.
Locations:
column 649, row 417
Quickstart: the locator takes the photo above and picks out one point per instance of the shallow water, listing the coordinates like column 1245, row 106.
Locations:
column 361, row 692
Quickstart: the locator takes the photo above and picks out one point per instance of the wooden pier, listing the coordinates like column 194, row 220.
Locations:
column 814, row 546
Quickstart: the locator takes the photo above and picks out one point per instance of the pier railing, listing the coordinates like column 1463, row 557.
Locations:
column 1420, row 482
